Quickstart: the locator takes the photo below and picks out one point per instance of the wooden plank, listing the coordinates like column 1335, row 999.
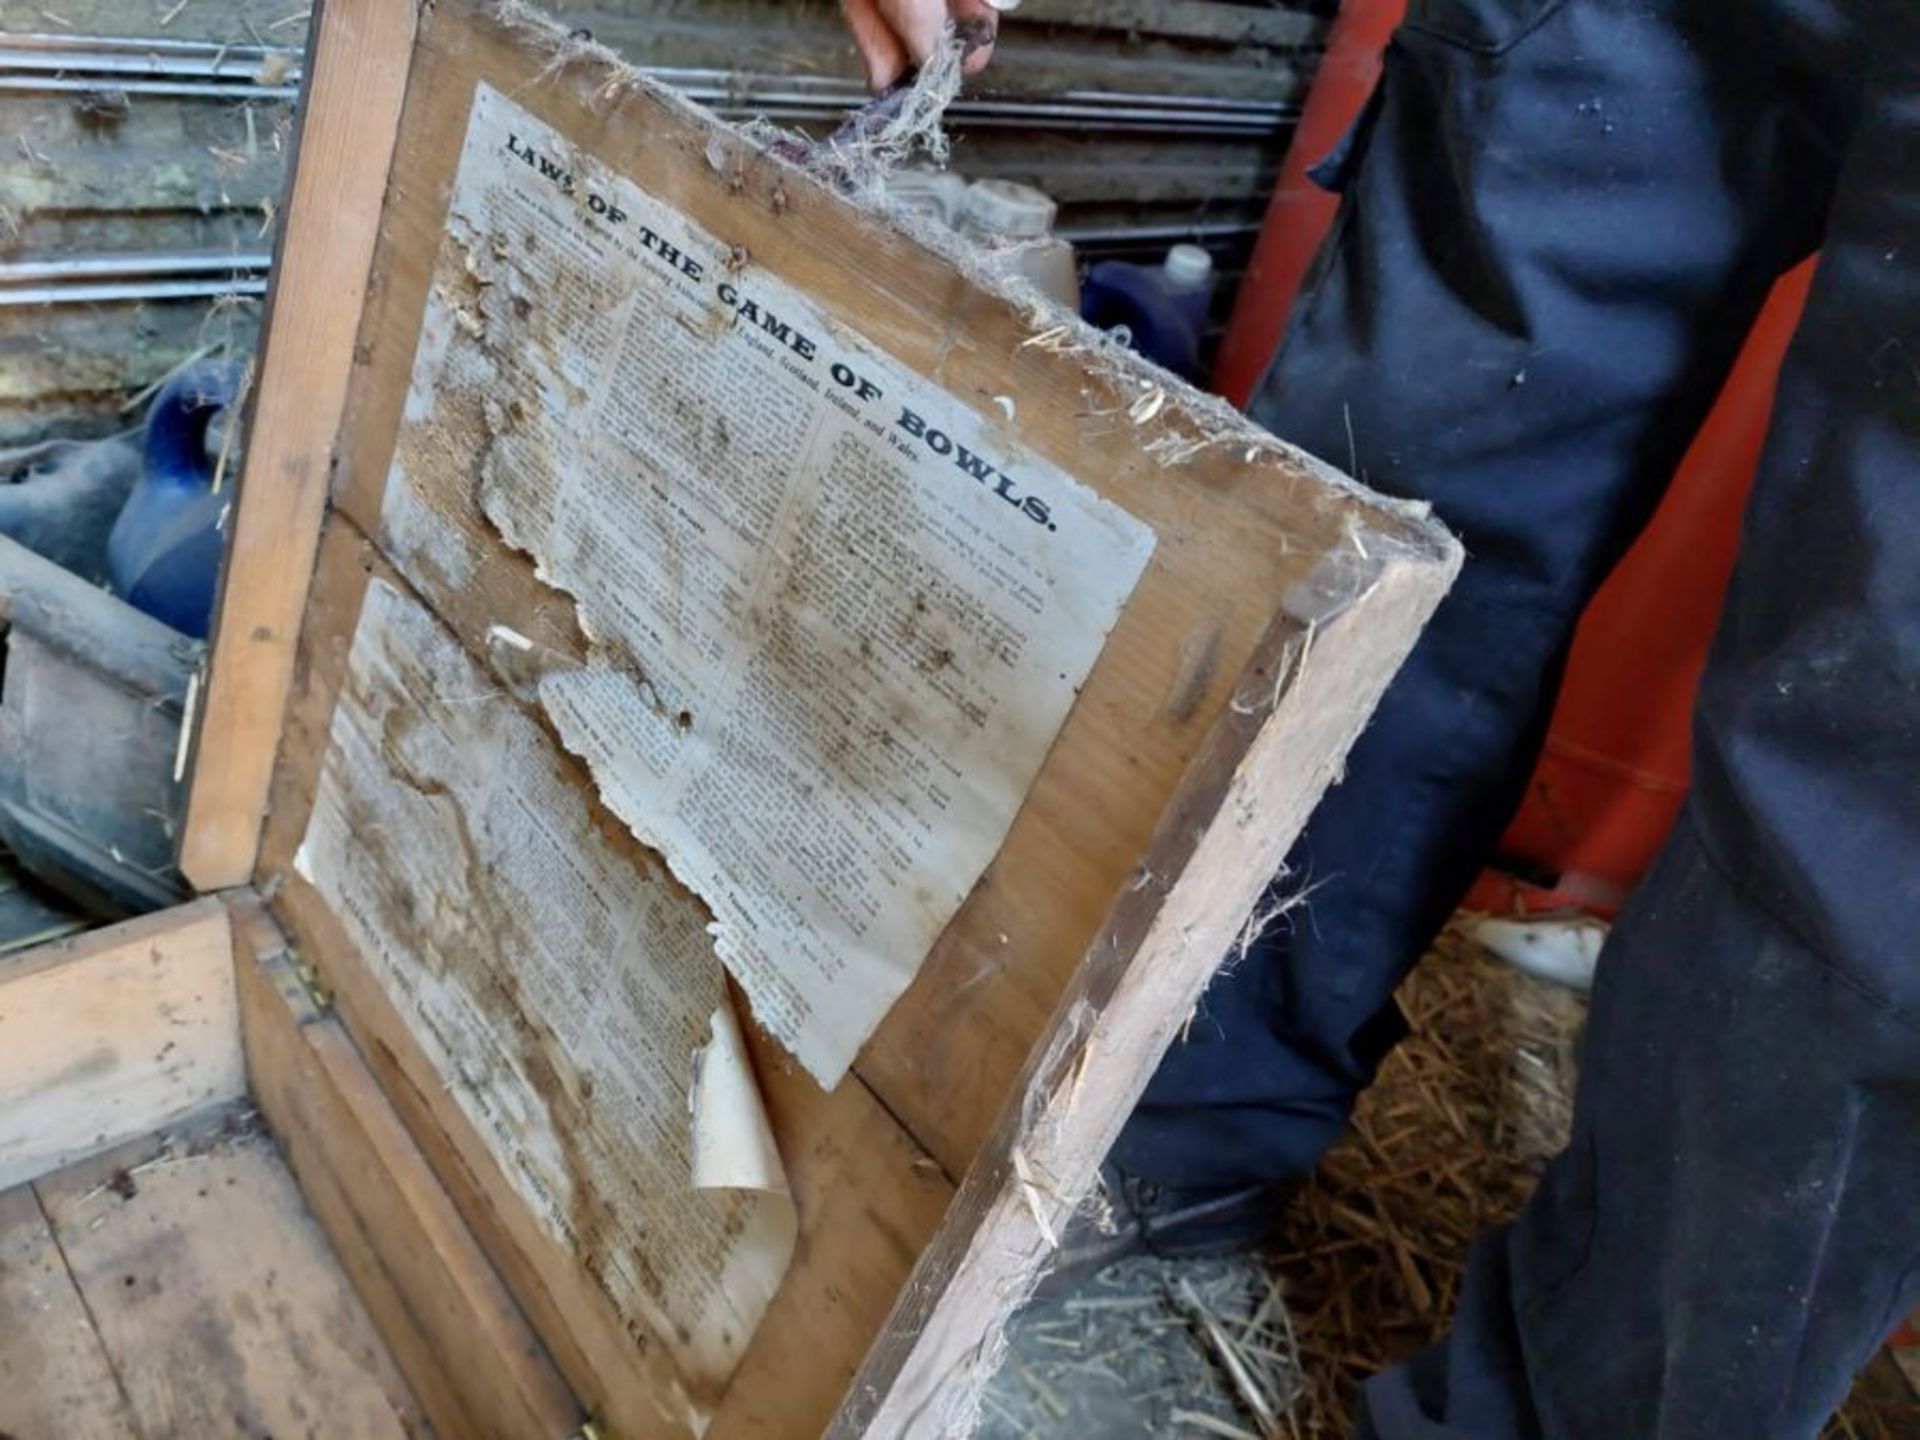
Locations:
column 54, row 1375
column 214, row 1295
column 115, row 1033
column 1226, row 833
column 869, row 1198
column 473, row 1362
column 357, row 65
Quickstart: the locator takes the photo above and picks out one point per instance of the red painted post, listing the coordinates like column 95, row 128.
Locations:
column 1300, row 211
column 1615, row 766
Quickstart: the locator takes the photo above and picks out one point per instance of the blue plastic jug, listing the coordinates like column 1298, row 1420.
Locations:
column 163, row 556
column 1164, row 307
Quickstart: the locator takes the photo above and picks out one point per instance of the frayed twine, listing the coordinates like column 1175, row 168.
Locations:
column 564, row 48
column 862, row 157
column 858, row 158
column 1037, row 1195
column 1190, row 421
column 1274, row 907
column 230, row 432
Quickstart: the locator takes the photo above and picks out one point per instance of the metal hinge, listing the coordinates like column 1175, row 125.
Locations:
column 321, row 997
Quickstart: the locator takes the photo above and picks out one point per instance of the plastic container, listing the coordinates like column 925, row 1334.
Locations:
column 63, row 501
column 163, row 555
column 936, row 194
column 1002, row 210
column 1163, row 307
column 1013, row 226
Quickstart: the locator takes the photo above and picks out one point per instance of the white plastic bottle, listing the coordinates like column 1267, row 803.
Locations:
column 1013, row 226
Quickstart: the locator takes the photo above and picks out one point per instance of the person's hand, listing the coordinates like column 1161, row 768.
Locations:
column 894, row 35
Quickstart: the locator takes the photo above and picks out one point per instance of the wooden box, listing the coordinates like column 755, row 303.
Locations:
column 611, row 475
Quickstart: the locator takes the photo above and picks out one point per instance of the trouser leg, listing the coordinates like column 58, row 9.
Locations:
column 1559, row 223
column 1736, row 1223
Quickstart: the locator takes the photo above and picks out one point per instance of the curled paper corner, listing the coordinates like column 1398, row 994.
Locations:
column 733, row 1144
column 734, row 1151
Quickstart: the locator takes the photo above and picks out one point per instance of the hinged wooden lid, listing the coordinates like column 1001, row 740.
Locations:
column 1257, row 604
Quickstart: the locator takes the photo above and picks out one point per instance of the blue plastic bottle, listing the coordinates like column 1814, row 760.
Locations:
column 163, row 556
column 1164, row 307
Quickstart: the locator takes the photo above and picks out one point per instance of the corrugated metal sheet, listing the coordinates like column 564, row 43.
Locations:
column 148, row 150
column 150, row 139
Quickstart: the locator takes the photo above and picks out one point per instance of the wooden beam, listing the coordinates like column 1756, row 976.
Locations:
column 357, row 68
column 115, row 1033
column 475, row 1366
column 1227, row 831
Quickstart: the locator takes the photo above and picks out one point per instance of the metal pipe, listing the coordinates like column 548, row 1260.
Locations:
column 116, row 264
column 960, row 120
column 988, row 113
column 46, row 84
column 745, row 85
column 157, row 290
column 178, row 67
column 141, row 45
column 1166, row 232
column 1061, row 116
column 827, row 98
